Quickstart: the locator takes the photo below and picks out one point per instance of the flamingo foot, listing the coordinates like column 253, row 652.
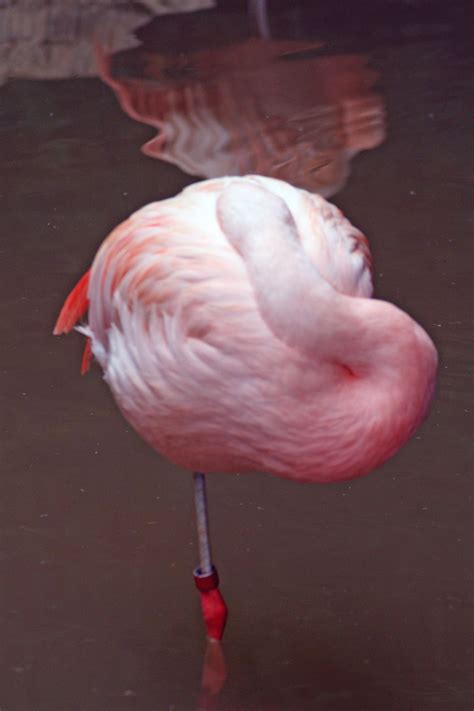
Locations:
column 214, row 609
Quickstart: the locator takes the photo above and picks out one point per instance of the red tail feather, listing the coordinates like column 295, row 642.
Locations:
column 74, row 308
column 86, row 357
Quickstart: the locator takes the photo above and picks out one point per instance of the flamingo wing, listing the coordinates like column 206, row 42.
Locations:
column 337, row 249
column 343, row 257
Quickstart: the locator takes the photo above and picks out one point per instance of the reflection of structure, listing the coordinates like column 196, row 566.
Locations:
column 262, row 106
column 53, row 39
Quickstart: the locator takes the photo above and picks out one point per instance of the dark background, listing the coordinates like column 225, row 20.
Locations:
column 349, row 596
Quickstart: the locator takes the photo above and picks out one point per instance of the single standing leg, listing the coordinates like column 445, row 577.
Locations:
column 259, row 12
column 214, row 609
column 202, row 522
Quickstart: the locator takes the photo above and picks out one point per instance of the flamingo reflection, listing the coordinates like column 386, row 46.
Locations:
column 271, row 107
column 214, row 675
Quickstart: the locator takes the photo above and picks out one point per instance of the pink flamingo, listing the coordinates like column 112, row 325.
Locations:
column 235, row 328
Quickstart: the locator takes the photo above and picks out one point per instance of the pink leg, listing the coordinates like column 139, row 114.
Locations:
column 214, row 609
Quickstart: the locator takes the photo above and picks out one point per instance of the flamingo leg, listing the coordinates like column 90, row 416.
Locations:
column 214, row 609
column 259, row 12
column 202, row 522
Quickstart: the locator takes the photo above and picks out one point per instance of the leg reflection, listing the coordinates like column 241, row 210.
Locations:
column 214, row 675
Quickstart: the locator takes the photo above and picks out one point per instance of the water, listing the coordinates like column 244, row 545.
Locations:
column 351, row 596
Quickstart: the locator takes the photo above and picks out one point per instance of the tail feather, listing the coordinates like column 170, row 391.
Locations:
column 86, row 357
column 74, row 308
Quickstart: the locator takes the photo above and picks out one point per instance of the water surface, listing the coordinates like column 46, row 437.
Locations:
column 350, row 596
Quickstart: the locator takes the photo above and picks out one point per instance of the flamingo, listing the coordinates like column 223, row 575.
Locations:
column 235, row 328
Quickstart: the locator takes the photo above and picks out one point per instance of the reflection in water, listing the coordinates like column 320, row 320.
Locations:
column 273, row 107
column 270, row 107
column 214, row 675
column 86, row 614
column 52, row 39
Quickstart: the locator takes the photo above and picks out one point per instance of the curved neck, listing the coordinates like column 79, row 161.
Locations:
column 386, row 362
column 297, row 303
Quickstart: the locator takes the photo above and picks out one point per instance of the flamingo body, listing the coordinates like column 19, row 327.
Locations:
column 235, row 328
